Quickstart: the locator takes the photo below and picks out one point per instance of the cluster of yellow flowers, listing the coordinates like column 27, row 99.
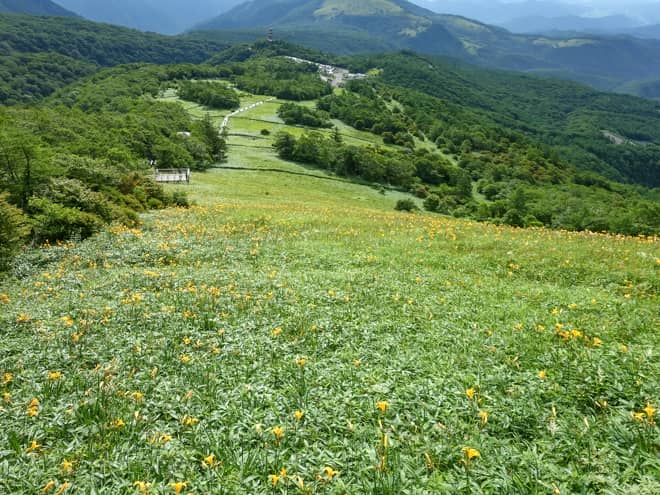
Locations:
column 646, row 415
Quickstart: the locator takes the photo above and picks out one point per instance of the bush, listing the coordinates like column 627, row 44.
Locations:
column 14, row 229
column 54, row 222
column 405, row 205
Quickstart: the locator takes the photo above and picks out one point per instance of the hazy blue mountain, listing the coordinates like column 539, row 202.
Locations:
column 614, row 24
column 652, row 31
column 160, row 16
column 344, row 26
column 498, row 12
column 503, row 12
column 34, row 7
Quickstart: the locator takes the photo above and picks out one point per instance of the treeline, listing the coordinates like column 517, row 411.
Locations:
column 401, row 168
column 79, row 162
column 280, row 77
column 293, row 114
column 211, row 94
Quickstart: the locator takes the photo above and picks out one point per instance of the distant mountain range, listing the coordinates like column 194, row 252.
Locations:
column 160, row 16
column 344, row 26
column 34, row 7
column 608, row 25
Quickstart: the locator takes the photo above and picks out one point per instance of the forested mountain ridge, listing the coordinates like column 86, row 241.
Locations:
column 41, row 54
column 34, row 7
column 382, row 25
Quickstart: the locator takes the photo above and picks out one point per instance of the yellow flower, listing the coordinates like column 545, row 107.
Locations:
column 33, row 408
column 137, row 396
column 23, row 318
column 357, row 362
column 63, row 488
column 142, row 486
column 55, row 375
column 185, row 358
column 638, row 416
column 66, row 466
column 276, row 332
column 34, row 446
column 649, row 410
column 186, row 341
column 8, row 377
column 623, row 348
column 48, row 486
column 274, row 479
column 382, row 406
column 210, row 461
column 299, row 415
column 4, row 298
column 470, row 453
column 596, row 342
column 301, row 362
column 189, row 420
column 6, row 397
column 117, row 423
column 470, row 393
column 542, row 374
column 179, row 486
column 329, row 473
column 76, row 336
column 278, row 431
column 68, row 321
column 483, row 415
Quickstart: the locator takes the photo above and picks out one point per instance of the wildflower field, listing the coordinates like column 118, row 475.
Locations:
column 290, row 334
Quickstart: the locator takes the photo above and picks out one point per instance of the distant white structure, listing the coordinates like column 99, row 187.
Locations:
column 185, row 134
column 335, row 75
column 173, row 175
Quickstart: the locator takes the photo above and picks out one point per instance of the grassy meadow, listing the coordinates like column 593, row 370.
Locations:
column 291, row 334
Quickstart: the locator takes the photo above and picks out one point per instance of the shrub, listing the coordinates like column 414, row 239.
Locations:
column 405, row 205
column 54, row 222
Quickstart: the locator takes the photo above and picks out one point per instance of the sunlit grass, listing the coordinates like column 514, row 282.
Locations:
column 293, row 334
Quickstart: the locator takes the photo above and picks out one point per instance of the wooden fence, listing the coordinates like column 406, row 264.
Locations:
column 173, row 175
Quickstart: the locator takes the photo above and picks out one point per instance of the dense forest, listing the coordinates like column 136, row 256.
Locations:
column 41, row 54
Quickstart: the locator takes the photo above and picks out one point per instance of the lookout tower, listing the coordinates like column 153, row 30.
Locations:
column 270, row 35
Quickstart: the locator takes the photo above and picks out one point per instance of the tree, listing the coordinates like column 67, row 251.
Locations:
column 216, row 144
column 14, row 229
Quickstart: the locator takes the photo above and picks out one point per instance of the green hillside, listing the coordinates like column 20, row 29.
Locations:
column 600, row 61
column 42, row 54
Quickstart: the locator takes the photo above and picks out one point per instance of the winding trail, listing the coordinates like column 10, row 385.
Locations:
column 225, row 121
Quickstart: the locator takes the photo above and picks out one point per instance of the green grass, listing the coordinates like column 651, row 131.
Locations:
column 183, row 339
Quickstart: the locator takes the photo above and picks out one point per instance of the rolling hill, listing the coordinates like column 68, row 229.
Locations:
column 34, row 7
column 337, row 25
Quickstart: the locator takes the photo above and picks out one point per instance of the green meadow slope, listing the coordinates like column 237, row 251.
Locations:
column 291, row 333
